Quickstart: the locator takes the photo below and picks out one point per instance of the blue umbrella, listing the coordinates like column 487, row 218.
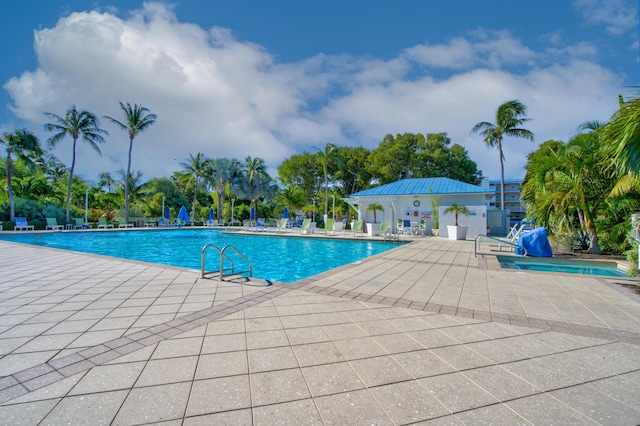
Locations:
column 210, row 213
column 252, row 215
column 167, row 212
column 285, row 214
column 183, row 215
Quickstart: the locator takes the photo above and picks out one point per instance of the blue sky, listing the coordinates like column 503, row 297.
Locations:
column 272, row 79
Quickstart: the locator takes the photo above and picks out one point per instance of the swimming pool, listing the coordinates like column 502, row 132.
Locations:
column 583, row 267
column 277, row 258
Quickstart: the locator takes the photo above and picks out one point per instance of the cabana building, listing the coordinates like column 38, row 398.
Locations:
column 418, row 198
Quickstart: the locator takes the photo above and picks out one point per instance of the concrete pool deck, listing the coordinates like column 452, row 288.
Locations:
column 424, row 333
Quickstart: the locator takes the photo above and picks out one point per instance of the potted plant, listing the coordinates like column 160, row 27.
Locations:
column 435, row 205
column 374, row 227
column 457, row 232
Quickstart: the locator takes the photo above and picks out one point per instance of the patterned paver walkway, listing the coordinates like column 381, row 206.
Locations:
column 422, row 333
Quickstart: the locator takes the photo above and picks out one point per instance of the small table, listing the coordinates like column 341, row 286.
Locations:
column 69, row 226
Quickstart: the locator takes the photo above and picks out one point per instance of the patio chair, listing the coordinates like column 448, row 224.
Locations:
column 103, row 224
column 22, row 225
column 385, row 226
column 305, row 227
column 356, row 226
column 122, row 223
column 52, row 223
column 282, row 225
column 81, row 224
column 328, row 226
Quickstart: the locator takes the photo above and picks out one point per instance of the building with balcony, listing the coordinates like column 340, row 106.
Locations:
column 512, row 201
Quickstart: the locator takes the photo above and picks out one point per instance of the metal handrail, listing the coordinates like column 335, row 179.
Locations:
column 388, row 231
column 497, row 240
column 224, row 256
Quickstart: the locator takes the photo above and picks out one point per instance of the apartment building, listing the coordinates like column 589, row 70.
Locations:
column 512, row 202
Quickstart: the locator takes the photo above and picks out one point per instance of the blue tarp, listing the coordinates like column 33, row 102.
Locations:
column 535, row 243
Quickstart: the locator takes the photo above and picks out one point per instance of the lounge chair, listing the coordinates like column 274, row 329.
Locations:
column 52, row 223
column 81, row 224
column 306, row 227
column 212, row 222
column 260, row 225
column 103, row 224
column 150, row 223
column 356, row 226
column 328, row 226
column 282, row 225
column 122, row 223
column 385, row 226
column 22, row 225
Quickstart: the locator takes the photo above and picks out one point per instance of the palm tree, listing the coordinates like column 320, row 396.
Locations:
column 375, row 207
column 106, row 180
column 509, row 116
column 25, row 146
column 196, row 166
column 222, row 172
column 76, row 124
column 254, row 182
column 330, row 155
column 457, row 210
column 138, row 119
column 622, row 135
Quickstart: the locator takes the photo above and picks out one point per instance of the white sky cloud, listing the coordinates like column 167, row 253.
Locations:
column 225, row 98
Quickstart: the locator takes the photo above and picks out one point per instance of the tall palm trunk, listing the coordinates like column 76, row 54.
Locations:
column 12, row 201
column 126, row 183
column 501, row 175
column 73, row 166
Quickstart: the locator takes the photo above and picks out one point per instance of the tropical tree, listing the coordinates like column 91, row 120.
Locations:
column 254, row 182
column 220, row 174
column 106, row 180
column 83, row 124
column 197, row 167
column 292, row 197
column 509, row 117
column 457, row 210
column 621, row 135
column 329, row 156
column 21, row 145
column 137, row 119
column 374, row 207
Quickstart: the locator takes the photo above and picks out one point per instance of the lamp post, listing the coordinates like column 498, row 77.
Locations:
column 162, row 212
column 313, row 212
column 86, row 206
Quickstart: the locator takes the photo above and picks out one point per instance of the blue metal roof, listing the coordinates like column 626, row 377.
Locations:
column 421, row 186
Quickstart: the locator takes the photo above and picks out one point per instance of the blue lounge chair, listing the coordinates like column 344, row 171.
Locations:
column 22, row 225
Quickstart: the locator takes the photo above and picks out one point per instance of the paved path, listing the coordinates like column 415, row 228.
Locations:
column 422, row 333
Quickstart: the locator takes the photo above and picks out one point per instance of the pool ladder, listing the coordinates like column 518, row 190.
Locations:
column 223, row 256
column 494, row 242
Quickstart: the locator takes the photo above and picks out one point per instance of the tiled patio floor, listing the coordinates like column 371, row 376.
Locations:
column 425, row 333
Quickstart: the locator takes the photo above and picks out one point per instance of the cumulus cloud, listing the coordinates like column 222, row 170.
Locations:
column 618, row 16
column 226, row 98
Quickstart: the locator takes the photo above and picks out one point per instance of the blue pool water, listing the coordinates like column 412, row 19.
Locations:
column 277, row 258
column 583, row 267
